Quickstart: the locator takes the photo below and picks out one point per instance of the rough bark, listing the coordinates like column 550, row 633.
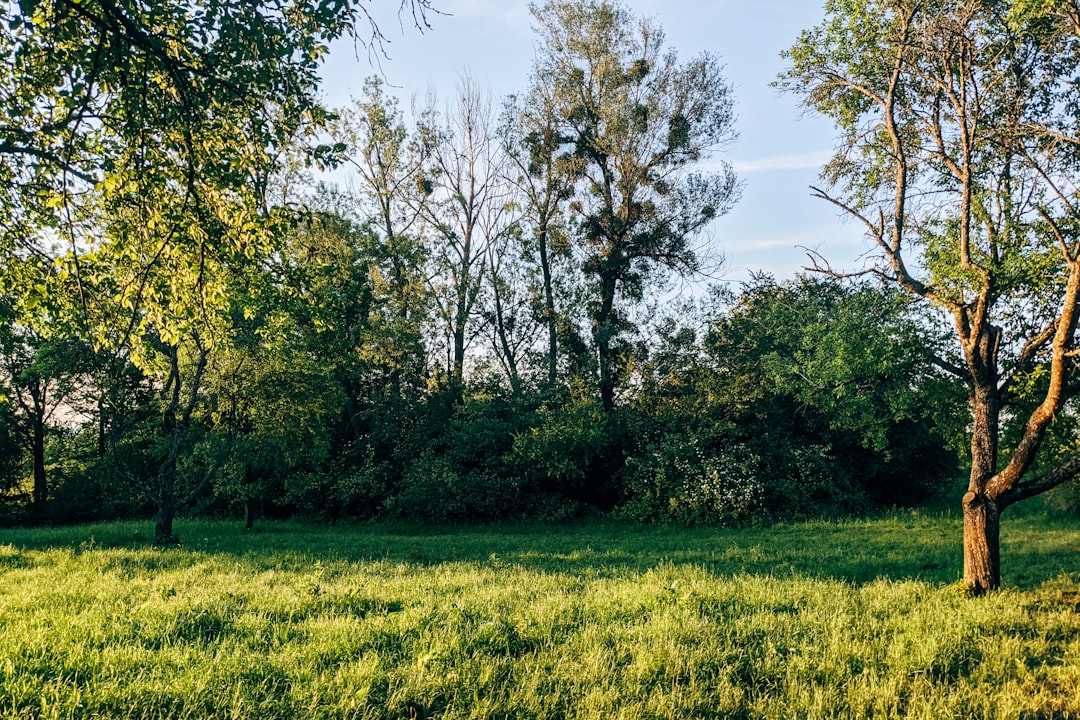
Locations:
column 982, row 569
column 982, row 555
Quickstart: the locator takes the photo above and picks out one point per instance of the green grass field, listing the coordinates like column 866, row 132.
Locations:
column 854, row 620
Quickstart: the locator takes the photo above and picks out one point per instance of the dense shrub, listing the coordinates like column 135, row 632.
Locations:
column 87, row 484
column 678, row 480
column 435, row 489
column 575, row 449
column 790, row 400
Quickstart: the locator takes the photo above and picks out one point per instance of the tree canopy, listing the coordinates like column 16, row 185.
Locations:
column 635, row 121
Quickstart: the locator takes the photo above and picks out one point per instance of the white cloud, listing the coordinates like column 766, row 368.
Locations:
column 802, row 161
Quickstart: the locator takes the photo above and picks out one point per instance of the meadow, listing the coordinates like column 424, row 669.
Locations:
column 855, row 619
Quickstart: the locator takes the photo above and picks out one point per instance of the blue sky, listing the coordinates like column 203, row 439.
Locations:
column 779, row 152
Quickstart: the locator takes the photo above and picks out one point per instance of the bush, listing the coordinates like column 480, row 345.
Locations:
column 362, row 492
column 809, row 480
column 676, row 480
column 86, row 486
column 574, row 449
column 1065, row 499
column 434, row 489
column 356, row 485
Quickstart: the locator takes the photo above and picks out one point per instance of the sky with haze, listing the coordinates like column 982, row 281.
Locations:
column 779, row 152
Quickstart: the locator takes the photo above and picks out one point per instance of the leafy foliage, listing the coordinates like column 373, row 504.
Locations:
column 803, row 398
column 636, row 121
column 468, row 331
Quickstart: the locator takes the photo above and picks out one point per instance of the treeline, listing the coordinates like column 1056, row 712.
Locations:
column 788, row 400
column 476, row 323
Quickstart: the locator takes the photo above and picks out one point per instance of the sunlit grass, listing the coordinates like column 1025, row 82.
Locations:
column 859, row 619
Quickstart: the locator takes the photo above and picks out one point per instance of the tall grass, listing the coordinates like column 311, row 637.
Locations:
column 846, row 620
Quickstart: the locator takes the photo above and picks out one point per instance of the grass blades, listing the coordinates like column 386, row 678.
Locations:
column 838, row 620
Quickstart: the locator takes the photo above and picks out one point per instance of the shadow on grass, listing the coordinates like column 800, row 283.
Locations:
column 1035, row 549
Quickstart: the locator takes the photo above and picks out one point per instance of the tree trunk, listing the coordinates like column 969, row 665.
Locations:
column 457, row 372
column 175, row 419
column 251, row 511
column 103, row 431
column 549, row 308
column 982, row 512
column 166, row 486
column 604, row 333
column 41, row 484
column 982, row 554
column 166, row 510
column 508, row 352
column 607, row 376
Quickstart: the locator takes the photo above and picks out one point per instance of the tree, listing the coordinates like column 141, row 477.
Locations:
column 840, row 365
column 87, row 80
column 468, row 209
column 271, row 401
column 958, row 155
column 543, row 171
column 45, row 367
column 41, row 376
column 1064, row 12
column 637, row 120
column 391, row 194
column 193, row 98
column 510, row 313
column 139, row 140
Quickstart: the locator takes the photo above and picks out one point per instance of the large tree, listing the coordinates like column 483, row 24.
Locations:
column 83, row 79
column 638, row 120
column 958, row 155
column 195, row 99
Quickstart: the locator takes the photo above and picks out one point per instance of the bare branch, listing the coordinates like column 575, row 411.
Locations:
column 950, row 368
column 876, row 232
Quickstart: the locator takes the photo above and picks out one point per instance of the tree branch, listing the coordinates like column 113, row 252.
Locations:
column 948, row 367
column 1047, row 481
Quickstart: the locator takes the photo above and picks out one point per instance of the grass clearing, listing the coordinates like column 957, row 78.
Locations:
column 845, row 620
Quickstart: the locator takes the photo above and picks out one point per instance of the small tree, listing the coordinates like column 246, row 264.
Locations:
column 44, row 367
column 390, row 191
column 41, row 376
column 468, row 209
